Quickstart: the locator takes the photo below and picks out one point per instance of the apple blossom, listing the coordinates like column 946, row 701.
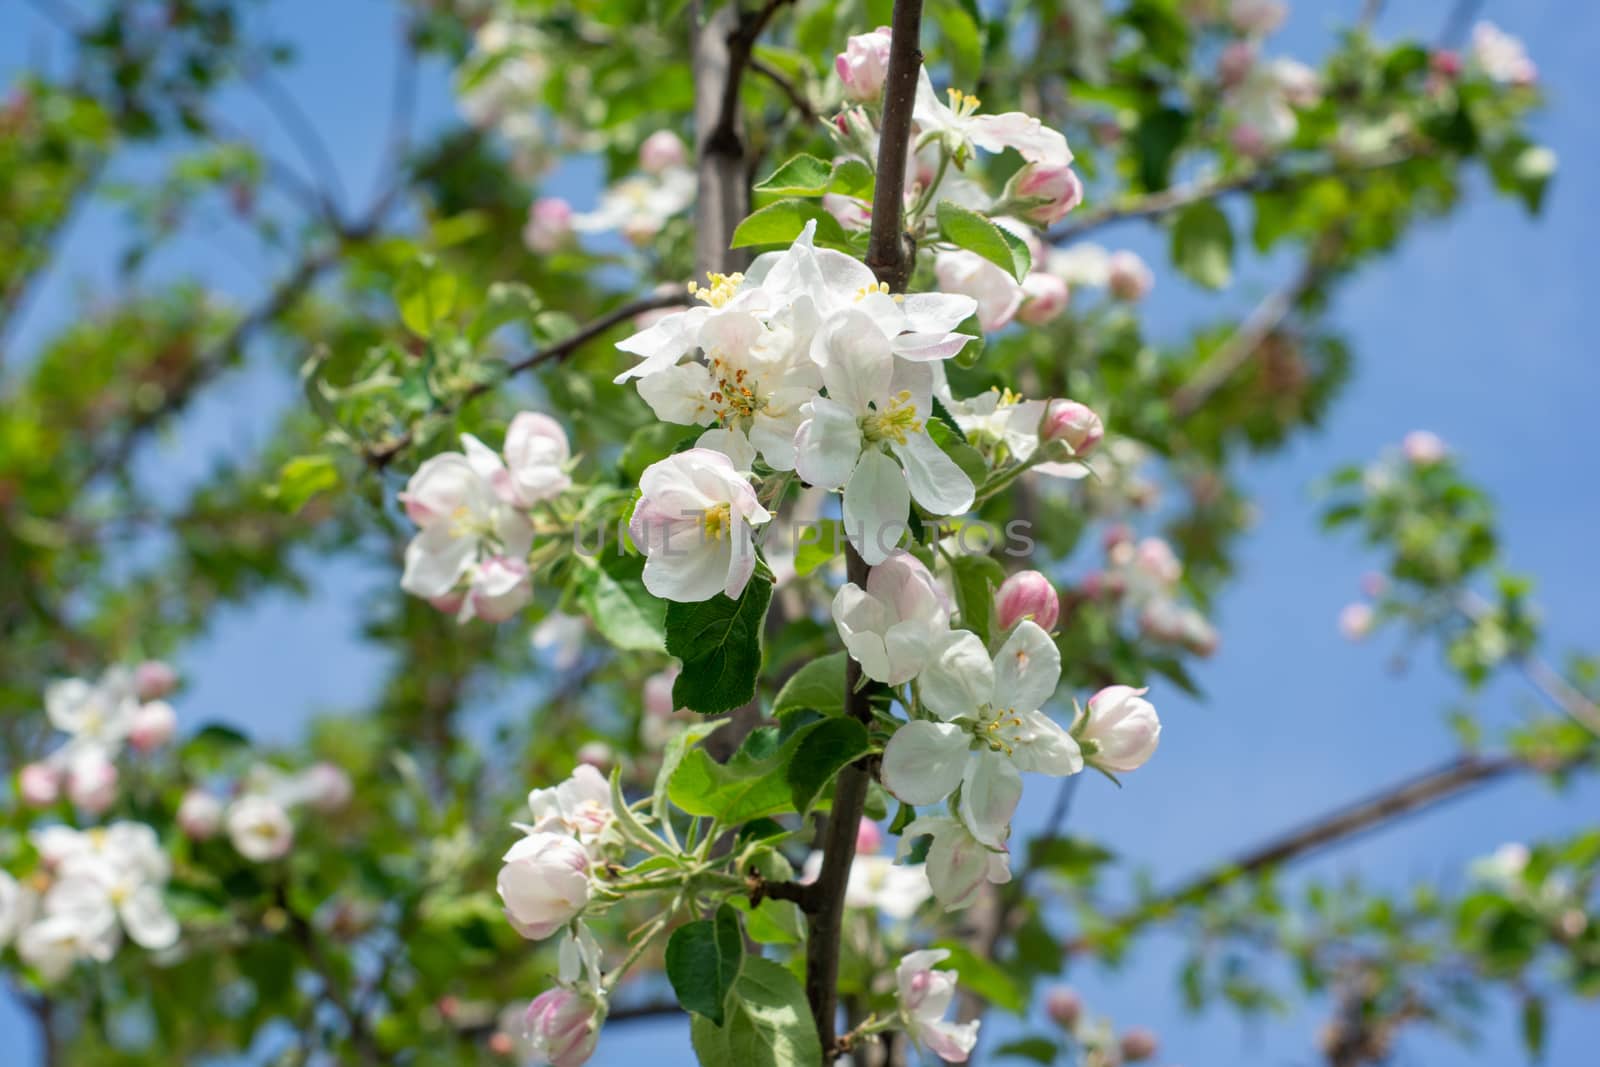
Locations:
column 462, row 516
column 259, row 828
column 16, row 907
column 1026, row 595
column 869, row 838
column 549, row 225
column 596, row 754
column 1129, row 277
column 536, row 459
column 693, row 522
column 1073, row 424
column 988, row 729
column 98, row 716
column 580, row 806
column 152, row 726
column 1138, row 1044
column 1235, row 62
column 105, row 882
column 925, row 995
column 1064, row 1006
column 996, row 292
column 325, row 787
column 1257, row 17
column 1082, row 264
column 1356, row 621
column 877, row 883
column 73, row 926
column 876, row 408
column 1043, row 193
column 1424, row 448
column 1044, row 298
column 154, row 679
column 92, row 782
column 544, row 883
column 38, row 785
column 199, row 815
column 890, row 626
column 958, row 864
column 639, row 205
column 959, row 128
column 498, row 588
column 1118, row 729
column 562, row 1025
column 863, row 64
column 1502, row 56
column 850, row 212
column 1265, row 100
column 662, row 151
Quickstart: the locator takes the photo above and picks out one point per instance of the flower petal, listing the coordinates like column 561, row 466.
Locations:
column 959, row 677
column 876, row 503
column 936, row 482
column 1026, row 669
column 923, row 761
column 991, row 789
column 827, row 445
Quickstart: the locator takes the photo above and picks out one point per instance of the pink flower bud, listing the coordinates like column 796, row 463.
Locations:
column 869, row 839
column 863, row 65
column 38, row 785
column 92, row 785
column 1119, row 730
column 851, row 213
column 501, row 1044
column 1129, row 278
column 1246, row 140
column 1235, row 63
column 199, row 815
column 1355, row 621
column 1119, row 533
column 1044, row 298
column 152, row 726
column 1055, row 186
column 327, row 788
column 563, row 1027
column 544, row 883
column 1446, row 63
column 1139, row 1044
column 154, row 679
column 1027, row 595
column 1423, row 448
column 1257, row 17
column 1073, row 423
column 1064, row 1006
column 1155, row 560
column 661, row 151
column 549, row 225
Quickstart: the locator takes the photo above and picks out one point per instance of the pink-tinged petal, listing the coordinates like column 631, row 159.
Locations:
column 959, row 677
column 1027, row 669
column 1036, row 142
column 991, row 789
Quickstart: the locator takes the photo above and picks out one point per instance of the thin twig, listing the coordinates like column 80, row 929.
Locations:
column 797, row 98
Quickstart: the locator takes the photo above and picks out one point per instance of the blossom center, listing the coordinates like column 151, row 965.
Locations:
column 720, row 291
column 717, row 519
column 734, row 395
column 894, row 421
column 1001, row 729
column 963, row 104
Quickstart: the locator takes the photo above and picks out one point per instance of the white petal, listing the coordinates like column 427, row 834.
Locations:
column 827, row 445
column 991, row 789
column 1043, row 747
column 688, row 567
column 876, row 505
column 679, row 394
column 959, row 677
column 936, row 482
column 856, row 360
column 435, row 561
column 147, row 920
column 923, row 761
column 1026, row 669
column 731, row 443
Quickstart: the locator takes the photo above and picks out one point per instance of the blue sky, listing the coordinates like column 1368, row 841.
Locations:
column 1475, row 330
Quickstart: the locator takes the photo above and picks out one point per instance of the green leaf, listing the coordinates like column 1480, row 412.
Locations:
column 963, row 42
column 976, row 578
column 825, row 750
column 802, row 175
column 755, row 782
column 1202, row 245
column 677, row 748
column 970, row 230
column 302, row 478
column 852, row 177
column 819, row 543
column 612, row 592
column 507, row 302
column 1533, row 1027
column 1068, row 856
column 768, row 1023
column 954, row 444
column 719, row 643
column 774, row 922
column 703, row 961
column 1038, row 1049
column 780, row 223
column 426, row 296
column 819, row 685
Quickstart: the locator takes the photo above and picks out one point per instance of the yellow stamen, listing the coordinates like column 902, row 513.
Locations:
column 961, row 103
column 894, row 421
column 720, row 291
column 717, row 520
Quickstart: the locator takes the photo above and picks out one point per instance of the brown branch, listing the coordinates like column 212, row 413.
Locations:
column 797, row 98
column 889, row 250
column 380, row 457
column 1411, row 796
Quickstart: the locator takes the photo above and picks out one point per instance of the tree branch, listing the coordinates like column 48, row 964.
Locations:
column 891, row 260
column 797, row 99
column 1421, row 792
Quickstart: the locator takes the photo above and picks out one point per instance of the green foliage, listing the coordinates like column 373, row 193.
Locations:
column 768, row 1022
column 969, row 230
column 703, row 963
column 719, row 644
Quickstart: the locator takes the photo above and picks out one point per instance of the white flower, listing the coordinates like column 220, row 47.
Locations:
column 325, row 787
column 536, row 457
column 153, row 725
column 1257, row 17
column 78, row 927
column 639, row 205
column 1265, row 100
column 497, row 588
column 1502, row 56
column 580, row 806
column 91, row 779
column 925, row 996
column 890, row 626
column 452, row 497
column 1503, row 868
column 961, row 129
column 98, row 716
column 876, row 408
column 199, row 815
column 544, row 884
column 756, row 378
column 990, row 729
column 959, row 865
column 996, row 292
column 1119, row 729
column 876, row 883
column 16, row 907
column 259, row 828
column 562, row 1025
column 693, row 523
